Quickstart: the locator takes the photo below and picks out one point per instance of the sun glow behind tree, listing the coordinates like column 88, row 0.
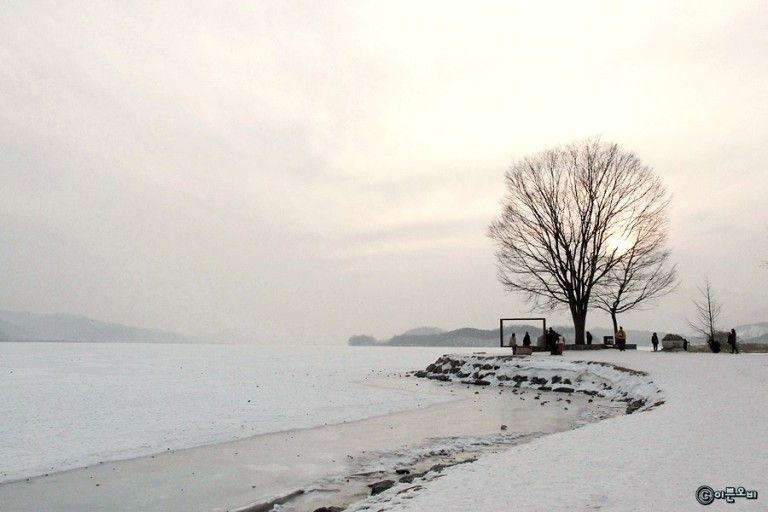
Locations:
column 572, row 216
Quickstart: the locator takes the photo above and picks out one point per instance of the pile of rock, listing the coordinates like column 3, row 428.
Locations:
column 674, row 342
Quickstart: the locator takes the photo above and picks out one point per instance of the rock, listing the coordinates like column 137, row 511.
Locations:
column 407, row 479
column 503, row 427
column 329, row 509
column 403, row 471
column 563, row 389
column 556, row 379
column 480, row 382
column 380, row 487
column 633, row 406
column 673, row 342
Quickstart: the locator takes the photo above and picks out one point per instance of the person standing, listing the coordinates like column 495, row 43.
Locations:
column 513, row 343
column 655, row 342
column 589, row 338
column 732, row 341
column 621, row 339
column 552, row 340
column 527, row 339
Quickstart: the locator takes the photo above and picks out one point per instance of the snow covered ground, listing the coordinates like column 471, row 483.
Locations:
column 712, row 430
column 67, row 405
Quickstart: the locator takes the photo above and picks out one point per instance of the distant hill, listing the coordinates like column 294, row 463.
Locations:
column 423, row 331
column 466, row 337
column 754, row 333
column 22, row 326
column 471, row 337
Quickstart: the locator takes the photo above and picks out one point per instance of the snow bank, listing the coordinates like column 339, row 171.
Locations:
column 602, row 379
column 712, row 430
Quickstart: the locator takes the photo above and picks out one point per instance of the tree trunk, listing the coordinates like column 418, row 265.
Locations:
column 579, row 325
column 615, row 323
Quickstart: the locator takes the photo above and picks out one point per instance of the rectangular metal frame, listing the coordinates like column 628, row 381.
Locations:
column 501, row 327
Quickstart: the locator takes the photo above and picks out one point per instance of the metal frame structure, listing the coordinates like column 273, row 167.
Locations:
column 501, row 326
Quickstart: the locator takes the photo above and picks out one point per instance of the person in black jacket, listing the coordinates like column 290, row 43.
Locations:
column 527, row 339
column 552, row 337
column 655, row 341
column 732, row 341
column 589, row 338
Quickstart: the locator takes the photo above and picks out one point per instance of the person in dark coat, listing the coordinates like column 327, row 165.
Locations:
column 552, row 337
column 527, row 339
column 732, row 341
column 589, row 338
column 621, row 339
column 655, row 342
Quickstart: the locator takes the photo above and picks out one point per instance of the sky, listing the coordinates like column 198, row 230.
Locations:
column 298, row 172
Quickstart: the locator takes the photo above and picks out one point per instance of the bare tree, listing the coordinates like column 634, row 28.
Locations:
column 707, row 312
column 563, row 209
column 643, row 273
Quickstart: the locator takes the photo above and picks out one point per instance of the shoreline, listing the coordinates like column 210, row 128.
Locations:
column 230, row 475
column 153, row 455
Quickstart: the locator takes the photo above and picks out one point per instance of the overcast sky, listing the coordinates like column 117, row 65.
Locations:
column 303, row 171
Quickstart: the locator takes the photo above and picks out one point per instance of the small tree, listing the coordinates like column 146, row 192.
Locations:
column 563, row 208
column 707, row 312
column 642, row 275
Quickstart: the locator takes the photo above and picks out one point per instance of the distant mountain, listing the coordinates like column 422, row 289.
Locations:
column 423, row 331
column 22, row 326
column 755, row 333
column 466, row 337
column 470, row 337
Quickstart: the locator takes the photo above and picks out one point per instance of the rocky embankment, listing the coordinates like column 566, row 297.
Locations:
column 544, row 374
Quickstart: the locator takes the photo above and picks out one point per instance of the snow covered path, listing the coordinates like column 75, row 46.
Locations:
column 712, row 430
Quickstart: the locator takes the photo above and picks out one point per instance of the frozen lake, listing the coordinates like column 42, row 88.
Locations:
column 68, row 405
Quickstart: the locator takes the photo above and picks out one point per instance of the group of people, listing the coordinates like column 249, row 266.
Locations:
column 620, row 337
column 553, row 337
column 513, row 341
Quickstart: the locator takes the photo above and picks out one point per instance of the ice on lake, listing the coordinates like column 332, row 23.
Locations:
column 67, row 405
